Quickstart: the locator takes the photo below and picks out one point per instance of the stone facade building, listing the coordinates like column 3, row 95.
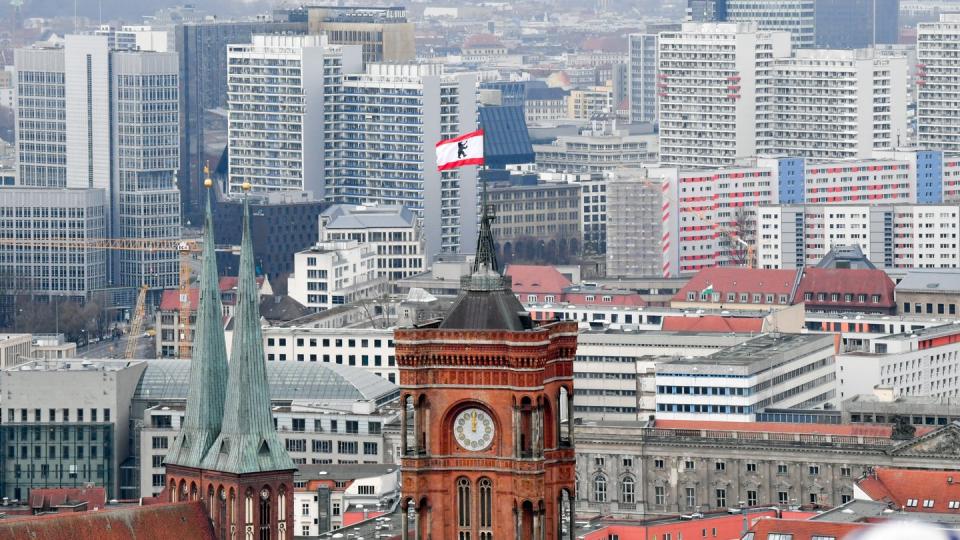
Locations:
column 671, row 467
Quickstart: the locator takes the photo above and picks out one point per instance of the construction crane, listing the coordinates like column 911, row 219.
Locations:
column 183, row 247
column 136, row 322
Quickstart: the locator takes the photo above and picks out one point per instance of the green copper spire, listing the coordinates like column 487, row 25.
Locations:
column 208, row 369
column 248, row 442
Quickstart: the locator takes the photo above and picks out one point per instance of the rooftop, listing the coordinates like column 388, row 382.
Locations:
column 930, row 281
column 914, row 490
column 536, row 279
column 76, row 364
column 154, row 522
column 861, row 430
column 352, row 216
column 166, row 380
column 760, row 349
column 713, row 323
column 305, row 473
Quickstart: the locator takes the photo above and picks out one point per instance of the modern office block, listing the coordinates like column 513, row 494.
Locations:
column 642, row 92
column 938, row 84
column 855, row 24
column 385, row 34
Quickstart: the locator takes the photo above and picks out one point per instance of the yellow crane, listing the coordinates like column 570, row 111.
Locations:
column 136, row 322
column 183, row 247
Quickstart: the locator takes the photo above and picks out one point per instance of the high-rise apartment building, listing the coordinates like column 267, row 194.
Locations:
column 642, row 75
column 93, row 117
column 891, row 236
column 834, row 104
column 385, row 34
column 202, row 52
column 281, row 92
column 393, row 115
column 714, row 89
column 938, row 84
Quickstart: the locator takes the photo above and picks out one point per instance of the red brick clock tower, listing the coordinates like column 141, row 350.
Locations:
column 487, row 431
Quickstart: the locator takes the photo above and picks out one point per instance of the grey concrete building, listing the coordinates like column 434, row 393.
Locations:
column 929, row 291
column 644, row 469
column 31, row 217
column 385, row 34
column 537, row 222
column 66, row 424
column 642, row 77
column 633, row 240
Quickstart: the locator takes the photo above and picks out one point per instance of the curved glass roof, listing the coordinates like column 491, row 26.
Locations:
column 293, row 381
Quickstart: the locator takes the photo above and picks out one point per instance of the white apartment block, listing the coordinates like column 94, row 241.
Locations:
column 614, row 369
column 90, row 116
column 772, row 370
column 920, row 362
column 370, row 349
column 705, row 210
column 835, row 104
column 331, row 274
column 714, row 89
column 794, row 16
column 15, row 349
column 642, row 75
column 281, row 91
column 891, row 236
column 938, row 84
column 393, row 116
column 394, row 232
column 596, row 151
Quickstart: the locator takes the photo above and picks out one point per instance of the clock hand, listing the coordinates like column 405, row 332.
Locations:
column 473, row 422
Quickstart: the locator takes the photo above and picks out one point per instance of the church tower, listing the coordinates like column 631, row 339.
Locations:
column 228, row 454
column 487, row 434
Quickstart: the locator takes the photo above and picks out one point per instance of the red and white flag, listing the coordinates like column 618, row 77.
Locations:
column 463, row 150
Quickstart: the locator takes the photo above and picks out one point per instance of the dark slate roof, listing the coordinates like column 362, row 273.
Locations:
column 540, row 94
column 506, row 140
column 487, row 310
column 846, row 257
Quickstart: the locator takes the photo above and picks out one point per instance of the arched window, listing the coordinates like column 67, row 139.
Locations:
column 486, row 508
column 627, row 491
column 600, row 488
column 248, row 507
column 265, row 514
column 463, row 508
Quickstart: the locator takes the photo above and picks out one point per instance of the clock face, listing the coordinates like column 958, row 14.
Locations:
column 473, row 429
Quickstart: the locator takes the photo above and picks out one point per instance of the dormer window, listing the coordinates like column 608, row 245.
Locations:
column 911, row 502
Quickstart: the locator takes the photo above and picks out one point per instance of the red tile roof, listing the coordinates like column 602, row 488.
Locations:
column 712, row 323
column 170, row 300
column 739, row 280
column 864, row 430
column 900, row 486
column 803, row 530
column 847, row 281
column 155, row 522
column 617, row 298
column 533, row 279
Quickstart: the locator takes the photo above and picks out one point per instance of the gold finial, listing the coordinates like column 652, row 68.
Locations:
column 246, row 186
column 208, row 183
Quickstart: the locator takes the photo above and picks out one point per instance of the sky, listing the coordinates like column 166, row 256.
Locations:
column 133, row 10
